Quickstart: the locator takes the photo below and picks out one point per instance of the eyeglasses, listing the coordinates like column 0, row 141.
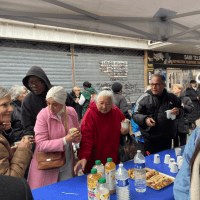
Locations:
column 156, row 84
column 38, row 83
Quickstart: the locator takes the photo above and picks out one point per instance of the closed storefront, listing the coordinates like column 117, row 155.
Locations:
column 98, row 65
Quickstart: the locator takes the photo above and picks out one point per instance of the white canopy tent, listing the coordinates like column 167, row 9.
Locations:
column 156, row 20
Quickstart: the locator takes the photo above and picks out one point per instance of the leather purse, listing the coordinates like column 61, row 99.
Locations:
column 52, row 160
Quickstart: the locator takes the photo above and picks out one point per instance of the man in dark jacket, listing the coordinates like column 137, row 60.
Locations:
column 38, row 83
column 121, row 102
column 150, row 115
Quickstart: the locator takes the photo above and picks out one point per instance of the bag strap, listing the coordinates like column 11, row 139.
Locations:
column 66, row 121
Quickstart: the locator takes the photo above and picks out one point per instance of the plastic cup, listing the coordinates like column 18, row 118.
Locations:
column 125, row 124
column 168, row 113
column 171, row 160
column 178, row 151
column 180, row 163
column 17, row 143
column 167, row 157
column 156, row 158
column 179, row 158
column 174, row 168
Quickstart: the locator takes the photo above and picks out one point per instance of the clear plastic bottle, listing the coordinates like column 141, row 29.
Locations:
column 110, row 169
column 100, row 168
column 92, row 180
column 122, row 183
column 139, row 172
column 102, row 190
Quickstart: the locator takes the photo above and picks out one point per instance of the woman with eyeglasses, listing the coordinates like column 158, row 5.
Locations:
column 13, row 160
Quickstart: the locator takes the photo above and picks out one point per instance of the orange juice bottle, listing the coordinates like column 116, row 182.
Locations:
column 92, row 180
column 110, row 169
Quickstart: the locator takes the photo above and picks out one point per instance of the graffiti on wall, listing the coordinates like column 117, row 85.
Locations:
column 128, row 88
column 116, row 70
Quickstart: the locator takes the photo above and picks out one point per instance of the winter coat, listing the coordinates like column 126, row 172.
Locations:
column 149, row 106
column 16, row 132
column 49, row 134
column 100, row 136
column 13, row 164
column 87, row 97
column 77, row 106
column 192, row 94
column 182, row 124
column 32, row 103
column 121, row 103
column 181, row 188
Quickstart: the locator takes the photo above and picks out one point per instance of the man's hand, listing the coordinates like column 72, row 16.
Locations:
column 150, row 122
column 80, row 165
column 175, row 111
column 198, row 98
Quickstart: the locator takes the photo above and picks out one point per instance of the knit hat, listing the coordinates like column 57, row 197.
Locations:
column 3, row 92
column 87, row 84
column 193, row 81
column 58, row 94
column 116, row 87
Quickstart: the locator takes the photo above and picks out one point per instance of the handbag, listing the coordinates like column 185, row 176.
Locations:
column 127, row 147
column 52, row 160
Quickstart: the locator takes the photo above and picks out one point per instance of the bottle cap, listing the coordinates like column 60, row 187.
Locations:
column 93, row 171
column 121, row 165
column 97, row 162
column 102, row 180
column 109, row 159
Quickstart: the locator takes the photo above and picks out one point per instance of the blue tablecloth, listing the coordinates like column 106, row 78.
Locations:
column 79, row 184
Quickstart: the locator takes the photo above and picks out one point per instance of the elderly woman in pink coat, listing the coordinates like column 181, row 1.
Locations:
column 51, row 135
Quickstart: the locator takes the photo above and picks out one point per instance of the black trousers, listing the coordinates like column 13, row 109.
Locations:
column 180, row 138
column 157, row 145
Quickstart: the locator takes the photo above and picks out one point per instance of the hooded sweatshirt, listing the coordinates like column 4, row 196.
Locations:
column 100, row 135
column 32, row 103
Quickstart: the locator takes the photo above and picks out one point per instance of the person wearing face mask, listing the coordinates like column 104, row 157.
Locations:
column 193, row 93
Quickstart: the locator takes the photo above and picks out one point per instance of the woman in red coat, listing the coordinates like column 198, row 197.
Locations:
column 101, row 129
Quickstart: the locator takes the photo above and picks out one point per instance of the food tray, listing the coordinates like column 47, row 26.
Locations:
column 155, row 180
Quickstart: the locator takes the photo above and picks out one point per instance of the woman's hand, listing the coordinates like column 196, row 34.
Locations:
column 124, row 131
column 80, row 165
column 14, row 148
column 5, row 126
column 25, row 143
column 73, row 137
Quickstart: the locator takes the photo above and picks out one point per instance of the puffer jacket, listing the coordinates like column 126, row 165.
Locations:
column 13, row 164
column 192, row 94
column 146, row 107
column 182, row 124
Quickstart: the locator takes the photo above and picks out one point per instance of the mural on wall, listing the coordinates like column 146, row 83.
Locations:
column 118, row 72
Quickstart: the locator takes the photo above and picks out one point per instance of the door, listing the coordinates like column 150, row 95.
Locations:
column 174, row 76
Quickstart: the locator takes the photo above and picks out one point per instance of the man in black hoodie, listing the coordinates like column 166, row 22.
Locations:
column 38, row 84
column 150, row 115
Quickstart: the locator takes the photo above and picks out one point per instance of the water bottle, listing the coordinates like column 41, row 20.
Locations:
column 102, row 190
column 139, row 172
column 100, row 168
column 122, row 183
